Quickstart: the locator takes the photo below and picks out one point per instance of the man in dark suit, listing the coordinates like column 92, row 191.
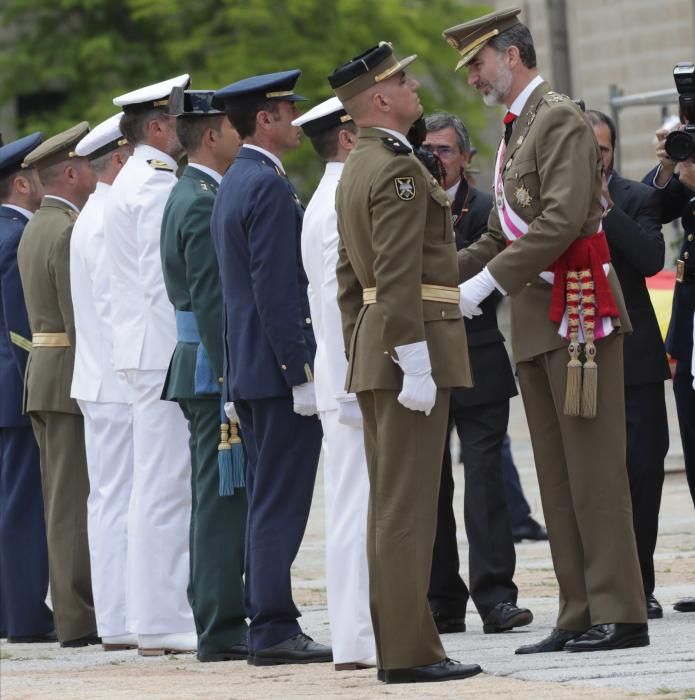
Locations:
column 677, row 195
column 270, row 347
column 481, row 415
column 194, row 379
column 633, row 229
column 24, row 616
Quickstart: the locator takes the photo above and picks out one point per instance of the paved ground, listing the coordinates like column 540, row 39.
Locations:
column 666, row 669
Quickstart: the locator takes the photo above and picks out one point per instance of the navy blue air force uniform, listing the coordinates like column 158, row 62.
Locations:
column 269, row 348
column 23, row 557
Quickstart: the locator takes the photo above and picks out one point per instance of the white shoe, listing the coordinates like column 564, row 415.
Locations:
column 120, row 642
column 160, row 644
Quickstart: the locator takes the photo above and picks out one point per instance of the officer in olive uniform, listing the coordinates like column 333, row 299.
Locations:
column 545, row 247
column 24, row 616
column 397, row 293
column 43, row 258
column 192, row 280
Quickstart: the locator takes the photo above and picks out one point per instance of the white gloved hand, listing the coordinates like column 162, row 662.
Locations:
column 230, row 412
column 419, row 391
column 304, row 397
column 349, row 412
column 474, row 291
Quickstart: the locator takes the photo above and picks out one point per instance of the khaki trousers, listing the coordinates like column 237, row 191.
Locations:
column 585, row 491
column 404, row 452
column 60, row 437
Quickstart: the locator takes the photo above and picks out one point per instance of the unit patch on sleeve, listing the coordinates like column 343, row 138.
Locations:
column 405, row 188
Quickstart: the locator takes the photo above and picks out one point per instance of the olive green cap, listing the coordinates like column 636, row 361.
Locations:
column 57, row 149
column 470, row 37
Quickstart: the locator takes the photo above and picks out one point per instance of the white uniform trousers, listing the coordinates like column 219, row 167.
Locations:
column 108, row 435
column 346, row 486
column 160, row 511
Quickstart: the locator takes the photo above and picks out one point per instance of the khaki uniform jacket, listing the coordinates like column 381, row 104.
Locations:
column 44, row 267
column 396, row 233
column 553, row 156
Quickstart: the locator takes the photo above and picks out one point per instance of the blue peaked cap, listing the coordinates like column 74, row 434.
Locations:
column 271, row 86
column 12, row 154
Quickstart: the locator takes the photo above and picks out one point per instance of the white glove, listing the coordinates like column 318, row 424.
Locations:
column 349, row 411
column 304, row 397
column 474, row 291
column 419, row 391
column 230, row 412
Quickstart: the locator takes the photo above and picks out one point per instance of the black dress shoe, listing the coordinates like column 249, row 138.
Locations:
column 238, row 652
column 529, row 530
column 449, row 624
column 446, row 670
column 654, row 609
column 85, row 641
column 612, row 636
column 45, row 638
column 299, row 649
column 505, row 616
column 555, row 641
column 685, row 605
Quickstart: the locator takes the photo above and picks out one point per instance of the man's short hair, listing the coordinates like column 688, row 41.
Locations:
column 134, row 124
column 101, row 164
column 325, row 143
column 190, row 130
column 519, row 36
column 597, row 118
column 6, row 184
column 242, row 113
column 444, row 120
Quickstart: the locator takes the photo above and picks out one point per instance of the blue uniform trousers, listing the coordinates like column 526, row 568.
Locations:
column 685, row 406
column 283, row 450
column 23, row 556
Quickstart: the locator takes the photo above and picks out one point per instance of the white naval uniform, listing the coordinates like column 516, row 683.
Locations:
column 103, row 399
column 144, row 336
column 346, row 481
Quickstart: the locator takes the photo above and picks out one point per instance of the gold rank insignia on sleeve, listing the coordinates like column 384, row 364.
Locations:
column 308, row 373
column 160, row 165
column 405, row 188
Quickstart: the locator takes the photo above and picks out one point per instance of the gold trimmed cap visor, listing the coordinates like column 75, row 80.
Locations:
column 57, row 149
column 152, row 96
column 470, row 37
column 369, row 68
column 271, row 86
column 104, row 137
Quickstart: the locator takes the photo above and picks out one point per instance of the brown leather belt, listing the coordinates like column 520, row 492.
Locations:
column 429, row 292
column 50, row 340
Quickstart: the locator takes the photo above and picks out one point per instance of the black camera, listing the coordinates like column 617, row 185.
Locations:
column 680, row 145
column 417, row 136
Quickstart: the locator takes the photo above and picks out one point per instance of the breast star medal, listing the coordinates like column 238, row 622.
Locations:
column 522, row 196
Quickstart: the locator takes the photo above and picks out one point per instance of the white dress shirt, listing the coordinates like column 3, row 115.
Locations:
column 144, row 326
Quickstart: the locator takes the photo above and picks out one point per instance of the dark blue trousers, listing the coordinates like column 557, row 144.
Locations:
column 283, row 451
column 685, row 406
column 23, row 555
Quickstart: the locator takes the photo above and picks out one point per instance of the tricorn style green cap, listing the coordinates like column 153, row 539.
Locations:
column 58, row 148
column 470, row 37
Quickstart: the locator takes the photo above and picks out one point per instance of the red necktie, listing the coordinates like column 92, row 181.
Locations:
column 508, row 120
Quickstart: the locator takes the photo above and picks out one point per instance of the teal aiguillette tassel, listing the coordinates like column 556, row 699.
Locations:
column 231, row 459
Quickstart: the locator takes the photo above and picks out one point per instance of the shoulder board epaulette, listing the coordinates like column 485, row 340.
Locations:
column 160, row 165
column 207, row 187
column 555, row 97
column 395, row 146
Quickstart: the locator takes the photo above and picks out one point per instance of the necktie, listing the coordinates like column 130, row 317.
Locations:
column 508, row 120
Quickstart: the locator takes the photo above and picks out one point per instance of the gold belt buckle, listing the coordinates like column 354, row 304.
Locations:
column 680, row 270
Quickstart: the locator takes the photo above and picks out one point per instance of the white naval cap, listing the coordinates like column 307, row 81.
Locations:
column 102, row 138
column 156, row 95
column 324, row 116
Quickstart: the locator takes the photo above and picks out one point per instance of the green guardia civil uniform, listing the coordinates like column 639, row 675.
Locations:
column 43, row 258
column 191, row 276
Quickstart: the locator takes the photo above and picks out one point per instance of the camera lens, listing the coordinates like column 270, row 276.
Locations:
column 680, row 145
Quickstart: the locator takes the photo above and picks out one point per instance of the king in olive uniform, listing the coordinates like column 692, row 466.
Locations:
column 397, row 276
column 192, row 280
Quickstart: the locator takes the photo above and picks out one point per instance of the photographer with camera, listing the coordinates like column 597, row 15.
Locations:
column 674, row 177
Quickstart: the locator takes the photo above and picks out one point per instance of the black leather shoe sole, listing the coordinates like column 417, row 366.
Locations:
column 521, row 619
column 417, row 675
column 48, row 638
column 626, row 642
column 279, row 659
column 240, row 654
column 81, row 642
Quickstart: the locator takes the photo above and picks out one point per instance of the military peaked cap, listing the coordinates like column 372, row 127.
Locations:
column 151, row 96
column 58, row 148
column 102, row 138
column 271, row 86
column 324, row 116
column 367, row 69
column 12, row 154
column 470, row 37
column 193, row 103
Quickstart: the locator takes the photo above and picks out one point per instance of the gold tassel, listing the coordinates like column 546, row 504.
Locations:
column 590, row 383
column 224, row 437
column 573, row 389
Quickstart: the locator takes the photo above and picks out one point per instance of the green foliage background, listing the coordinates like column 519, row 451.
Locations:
column 97, row 49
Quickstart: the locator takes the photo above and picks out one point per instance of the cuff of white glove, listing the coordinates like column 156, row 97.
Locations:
column 414, row 358
column 490, row 281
